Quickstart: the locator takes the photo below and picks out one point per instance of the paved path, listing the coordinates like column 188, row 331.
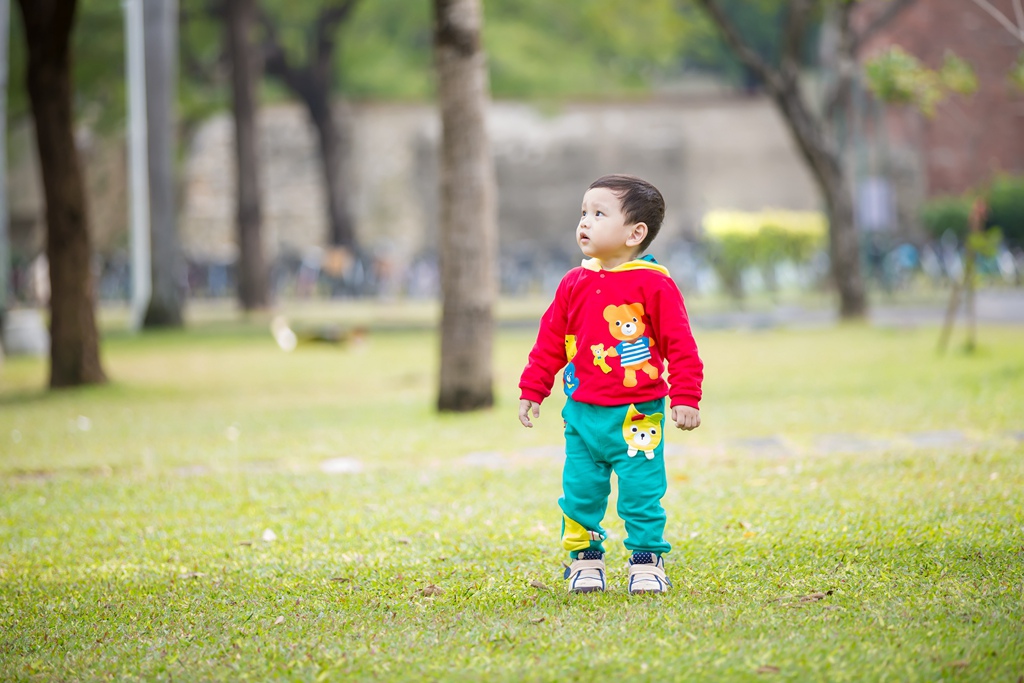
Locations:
column 776, row 446
column 1003, row 307
column 773, row 446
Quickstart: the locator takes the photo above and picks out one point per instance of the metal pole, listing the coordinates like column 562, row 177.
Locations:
column 5, row 213
column 138, row 163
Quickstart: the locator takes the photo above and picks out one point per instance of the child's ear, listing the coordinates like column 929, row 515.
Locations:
column 637, row 235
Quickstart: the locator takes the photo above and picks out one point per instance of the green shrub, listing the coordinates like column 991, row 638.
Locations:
column 1006, row 208
column 947, row 213
column 1005, row 198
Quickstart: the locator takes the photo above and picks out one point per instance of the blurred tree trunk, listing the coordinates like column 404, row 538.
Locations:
column 824, row 158
column 245, row 76
column 312, row 83
column 74, row 341
column 815, row 133
column 160, row 19
column 468, row 213
column 5, row 236
column 332, row 157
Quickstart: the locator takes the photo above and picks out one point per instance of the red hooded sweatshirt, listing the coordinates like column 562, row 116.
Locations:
column 613, row 331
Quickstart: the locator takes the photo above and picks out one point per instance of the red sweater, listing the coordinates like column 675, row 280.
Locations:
column 613, row 331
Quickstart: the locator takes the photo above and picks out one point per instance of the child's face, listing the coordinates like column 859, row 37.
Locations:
column 603, row 231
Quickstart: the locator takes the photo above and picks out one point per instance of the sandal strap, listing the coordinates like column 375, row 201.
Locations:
column 582, row 565
column 579, row 566
column 648, row 569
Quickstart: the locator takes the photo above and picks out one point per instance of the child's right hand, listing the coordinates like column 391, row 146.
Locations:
column 524, row 411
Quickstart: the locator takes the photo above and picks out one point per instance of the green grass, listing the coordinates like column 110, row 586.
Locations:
column 132, row 518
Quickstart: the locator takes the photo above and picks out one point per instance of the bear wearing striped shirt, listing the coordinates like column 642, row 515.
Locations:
column 626, row 324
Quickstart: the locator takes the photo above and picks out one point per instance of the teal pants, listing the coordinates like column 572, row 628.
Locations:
column 626, row 440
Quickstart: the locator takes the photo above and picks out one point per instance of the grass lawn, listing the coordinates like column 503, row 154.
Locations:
column 851, row 509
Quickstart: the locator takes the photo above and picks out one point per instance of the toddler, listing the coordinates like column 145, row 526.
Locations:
column 614, row 323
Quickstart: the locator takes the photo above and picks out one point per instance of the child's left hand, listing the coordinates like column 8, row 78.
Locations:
column 685, row 417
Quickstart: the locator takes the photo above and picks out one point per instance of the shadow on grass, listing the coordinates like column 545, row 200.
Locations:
column 25, row 396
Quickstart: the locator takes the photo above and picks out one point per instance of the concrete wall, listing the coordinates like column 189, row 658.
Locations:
column 103, row 164
column 725, row 152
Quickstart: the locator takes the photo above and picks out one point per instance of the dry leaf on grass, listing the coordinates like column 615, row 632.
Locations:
column 767, row 669
column 958, row 664
column 278, row 621
column 537, row 584
column 813, row 597
column 245, row 543
column 537, row 620
column 431, row 590
column 786, row 600
column 340, row 578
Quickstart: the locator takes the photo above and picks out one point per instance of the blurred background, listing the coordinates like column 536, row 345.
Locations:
column 921, row 104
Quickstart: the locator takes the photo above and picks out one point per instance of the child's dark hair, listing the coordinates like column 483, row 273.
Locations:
column 641, row 202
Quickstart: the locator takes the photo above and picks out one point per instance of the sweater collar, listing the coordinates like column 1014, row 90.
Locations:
column 646, row 262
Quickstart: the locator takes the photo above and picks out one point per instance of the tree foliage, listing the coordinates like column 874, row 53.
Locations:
column 898, row 77
column 762, row 24
column 601, row 48
column 97, row 50
column 1017, row 74
column 205, row 68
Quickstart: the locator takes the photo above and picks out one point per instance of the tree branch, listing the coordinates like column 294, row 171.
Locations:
column 331, row 17
column 894, row 9
column 838, row 94
column 276, row 60
column 1018, row 10
column 306, row 80
column 1016, row 32
column 770, row 75
column 793, row 37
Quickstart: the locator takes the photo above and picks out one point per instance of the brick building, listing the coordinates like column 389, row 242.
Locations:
column 970, row 138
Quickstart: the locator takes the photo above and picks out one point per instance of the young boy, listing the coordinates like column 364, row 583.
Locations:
column 614, row 323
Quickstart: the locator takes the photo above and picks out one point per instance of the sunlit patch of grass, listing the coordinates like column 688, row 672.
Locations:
column 133, row 518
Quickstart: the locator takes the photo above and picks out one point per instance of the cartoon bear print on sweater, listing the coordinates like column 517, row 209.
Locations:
column 570, row 382
column 599, row 358
column 641, row 432
column 626, row 324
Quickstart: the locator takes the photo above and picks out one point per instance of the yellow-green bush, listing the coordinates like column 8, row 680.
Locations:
column 738, row 240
